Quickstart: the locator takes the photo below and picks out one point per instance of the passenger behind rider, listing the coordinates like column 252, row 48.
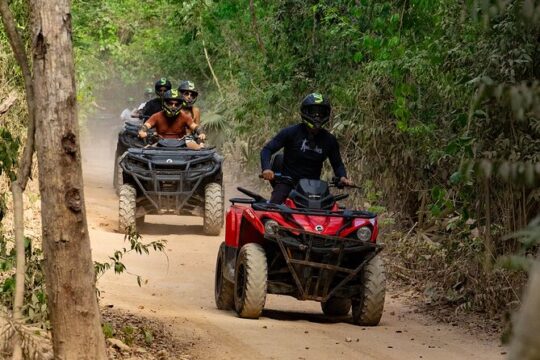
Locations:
column 155, row 105
column 148, row 94
column 126, row 113
column 189, row 94
column 174, row 122
column 306, row 146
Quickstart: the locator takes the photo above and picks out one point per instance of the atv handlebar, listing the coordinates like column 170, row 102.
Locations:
column 335, row 182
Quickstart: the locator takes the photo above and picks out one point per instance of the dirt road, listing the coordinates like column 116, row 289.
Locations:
column 179, row 292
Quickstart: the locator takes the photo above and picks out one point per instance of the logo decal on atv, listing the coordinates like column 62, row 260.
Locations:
column 169, row 161
column 319, row 228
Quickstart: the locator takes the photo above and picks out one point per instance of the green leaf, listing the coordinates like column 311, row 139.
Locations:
column 358, row 56
column 456, row 178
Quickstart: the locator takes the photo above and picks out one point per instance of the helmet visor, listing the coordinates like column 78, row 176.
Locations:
column 318, row 112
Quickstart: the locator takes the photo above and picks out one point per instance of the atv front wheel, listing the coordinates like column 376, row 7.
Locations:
column 367, row 309
column 127, row 208
column 250, row 281
column 223, row 288
column 336, row 306
column 213, row 209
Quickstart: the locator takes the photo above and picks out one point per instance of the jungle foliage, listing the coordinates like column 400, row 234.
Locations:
column 436, row 105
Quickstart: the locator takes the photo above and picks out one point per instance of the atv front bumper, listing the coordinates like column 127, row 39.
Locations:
column 322, row 266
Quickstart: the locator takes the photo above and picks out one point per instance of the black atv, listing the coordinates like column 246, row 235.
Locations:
column 169, row 178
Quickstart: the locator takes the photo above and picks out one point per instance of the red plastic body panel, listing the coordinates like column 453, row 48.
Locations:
column 244, row 225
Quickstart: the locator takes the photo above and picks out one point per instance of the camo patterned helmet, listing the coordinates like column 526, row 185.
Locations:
column 188, row 91
column 172, row 103
column 315, row 110
column 148, row 93
column 162, row 83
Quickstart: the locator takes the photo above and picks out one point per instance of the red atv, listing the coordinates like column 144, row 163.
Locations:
column 309, row 248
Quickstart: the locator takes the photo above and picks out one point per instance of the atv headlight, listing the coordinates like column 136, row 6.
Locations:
column 363, row 233
column 270, row 227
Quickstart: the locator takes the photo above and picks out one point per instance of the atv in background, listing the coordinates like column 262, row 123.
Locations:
column 169, row 178
column 309, row 248
column 128, row 137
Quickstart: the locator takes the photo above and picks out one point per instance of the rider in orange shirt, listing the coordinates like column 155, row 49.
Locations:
column 173, row 122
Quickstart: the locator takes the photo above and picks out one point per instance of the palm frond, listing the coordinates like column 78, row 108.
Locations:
column 214, row 121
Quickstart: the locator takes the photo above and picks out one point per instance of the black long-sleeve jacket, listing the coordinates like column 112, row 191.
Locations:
column 303, row 159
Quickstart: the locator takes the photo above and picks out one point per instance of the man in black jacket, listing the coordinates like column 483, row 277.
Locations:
column 305, row 147
column 155, row 105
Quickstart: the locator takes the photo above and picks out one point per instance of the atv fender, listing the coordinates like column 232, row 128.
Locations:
column 251, row 229
column 232, row 225
column 243, row 226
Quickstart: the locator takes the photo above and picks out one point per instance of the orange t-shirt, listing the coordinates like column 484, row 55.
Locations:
column 168, row 128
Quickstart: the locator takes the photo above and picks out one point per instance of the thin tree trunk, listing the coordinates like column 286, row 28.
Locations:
column 68, row 266
column 211, row 68
column 255, row 27
column 488, row 241
column 18, row 216
column 25, row 167
column 525, row 344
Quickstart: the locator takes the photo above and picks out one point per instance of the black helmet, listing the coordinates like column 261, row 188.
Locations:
column 186, row 87
column 315, row 110
column 169, row 97
column 163, row 82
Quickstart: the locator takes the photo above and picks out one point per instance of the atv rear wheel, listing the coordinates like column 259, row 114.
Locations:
column 223, row 288
column 367, row 309
column 127, row 208
column 213, row 209
column 336, row 306
column 250, row 281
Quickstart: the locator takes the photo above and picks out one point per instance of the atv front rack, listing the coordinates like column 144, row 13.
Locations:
column 169, row 178
column 322, row 265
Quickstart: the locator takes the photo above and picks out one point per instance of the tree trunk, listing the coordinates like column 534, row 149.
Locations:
column 25, row 164
column 525, row 344
column 68, row 266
